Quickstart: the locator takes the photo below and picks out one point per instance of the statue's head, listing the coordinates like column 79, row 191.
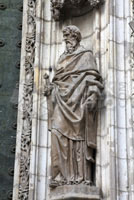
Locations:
column 72, row 38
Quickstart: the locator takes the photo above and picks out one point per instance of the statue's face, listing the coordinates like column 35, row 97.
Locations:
column 71, row 41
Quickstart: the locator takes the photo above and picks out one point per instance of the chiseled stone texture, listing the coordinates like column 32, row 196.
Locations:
column 107, row 33
column 62, row 9
column 81, row 192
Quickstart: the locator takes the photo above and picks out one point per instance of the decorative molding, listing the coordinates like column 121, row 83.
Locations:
column 132, row 53
column 64, row 8
column 28, row 103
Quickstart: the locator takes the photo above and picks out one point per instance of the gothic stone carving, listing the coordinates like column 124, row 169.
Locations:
column 75, row 90
column 79, row 192
column 132, row 60
column 27, row 105
column 64, row 8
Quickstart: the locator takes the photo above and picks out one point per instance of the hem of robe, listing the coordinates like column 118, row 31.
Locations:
column 74, row 139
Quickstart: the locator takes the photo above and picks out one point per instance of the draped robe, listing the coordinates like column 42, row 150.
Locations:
column 73, row 124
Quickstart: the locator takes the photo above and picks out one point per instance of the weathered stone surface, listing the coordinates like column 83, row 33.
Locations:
column 75, row 90
column 107, row 31
column 81, row 192
column 62, row 9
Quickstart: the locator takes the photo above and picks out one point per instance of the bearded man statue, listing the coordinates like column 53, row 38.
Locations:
column 76, row 88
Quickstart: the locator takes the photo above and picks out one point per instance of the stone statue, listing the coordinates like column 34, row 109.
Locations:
column 75, row 90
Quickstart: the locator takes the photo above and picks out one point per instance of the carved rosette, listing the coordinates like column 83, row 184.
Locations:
column 68, row 8
column 28, row 104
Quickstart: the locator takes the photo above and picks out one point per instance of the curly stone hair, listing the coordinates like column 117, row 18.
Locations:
column 73, row 30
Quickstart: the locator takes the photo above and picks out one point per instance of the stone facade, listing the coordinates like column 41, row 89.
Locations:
column 107, row 33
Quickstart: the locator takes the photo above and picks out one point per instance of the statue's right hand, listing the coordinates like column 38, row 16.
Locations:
column 91, row 102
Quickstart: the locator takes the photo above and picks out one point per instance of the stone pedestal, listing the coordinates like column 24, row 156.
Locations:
column 72, row 192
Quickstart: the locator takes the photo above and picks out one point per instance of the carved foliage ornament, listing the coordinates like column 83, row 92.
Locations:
column 64, row 8
column 27, row 104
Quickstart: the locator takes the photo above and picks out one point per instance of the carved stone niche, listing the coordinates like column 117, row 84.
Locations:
column 73, row 97
column 62, row 9
column 77, row 192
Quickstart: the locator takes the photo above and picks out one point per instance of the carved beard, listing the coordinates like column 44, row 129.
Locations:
column 71, row 46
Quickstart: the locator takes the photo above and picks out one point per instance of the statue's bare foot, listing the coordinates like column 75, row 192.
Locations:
column 72, row 182
column 63, row 182
column 79, row 180
column 87, row 182
column 54, row 184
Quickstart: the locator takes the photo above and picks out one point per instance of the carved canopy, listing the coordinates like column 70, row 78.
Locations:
column 67, row 8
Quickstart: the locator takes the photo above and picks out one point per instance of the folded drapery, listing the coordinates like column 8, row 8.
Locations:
column 77, row 85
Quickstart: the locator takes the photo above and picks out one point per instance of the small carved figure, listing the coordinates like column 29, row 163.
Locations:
column 75, row 90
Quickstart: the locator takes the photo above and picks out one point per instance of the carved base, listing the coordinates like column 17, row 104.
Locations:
column 72, row 192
